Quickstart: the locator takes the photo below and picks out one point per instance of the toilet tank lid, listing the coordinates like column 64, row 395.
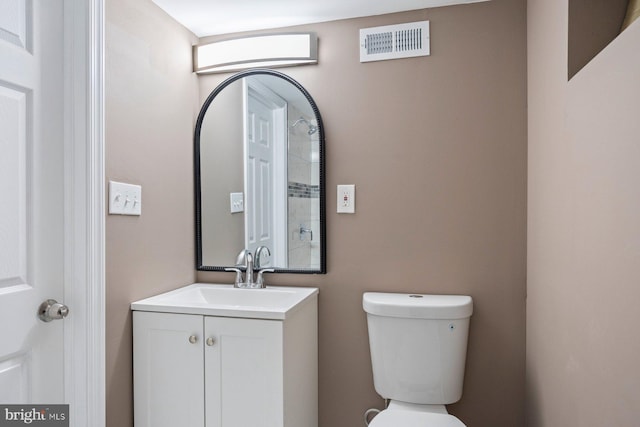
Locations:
column 418, row 306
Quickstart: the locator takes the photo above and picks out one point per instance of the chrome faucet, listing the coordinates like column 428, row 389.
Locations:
column 258, row 259
column 247, row 263
column 243, row 260
column 248, row 275
column 258, row 266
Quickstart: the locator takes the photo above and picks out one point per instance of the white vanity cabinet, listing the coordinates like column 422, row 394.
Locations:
column 168, row 370
column 194, row 370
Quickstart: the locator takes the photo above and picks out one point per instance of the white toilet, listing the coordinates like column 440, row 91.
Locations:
column 418, row 349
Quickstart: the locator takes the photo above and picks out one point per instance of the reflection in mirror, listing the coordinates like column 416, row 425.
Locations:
column 259, row 174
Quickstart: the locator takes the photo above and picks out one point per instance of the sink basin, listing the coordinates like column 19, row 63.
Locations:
column 272, row 302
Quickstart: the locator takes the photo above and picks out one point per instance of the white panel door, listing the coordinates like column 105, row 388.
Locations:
column 259, row 173
column 266, row 174
column 31, row 199
column 244, row 372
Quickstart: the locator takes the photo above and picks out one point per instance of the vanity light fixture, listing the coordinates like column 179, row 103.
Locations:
column 264, row 51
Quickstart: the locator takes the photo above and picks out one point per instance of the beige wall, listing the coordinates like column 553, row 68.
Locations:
column 222, row 173
column 150, row 112
column 436, row 147
column 583, row 228
column 437, row 150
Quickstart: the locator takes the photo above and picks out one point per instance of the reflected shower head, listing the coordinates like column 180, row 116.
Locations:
column 312, row 128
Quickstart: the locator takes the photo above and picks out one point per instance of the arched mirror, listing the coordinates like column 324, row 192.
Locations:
column 259, row 174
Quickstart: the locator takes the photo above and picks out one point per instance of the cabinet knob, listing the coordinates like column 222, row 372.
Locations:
column 210, row 341
column 193, row 339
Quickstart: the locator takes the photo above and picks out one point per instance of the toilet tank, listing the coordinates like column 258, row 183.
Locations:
column 418, row 345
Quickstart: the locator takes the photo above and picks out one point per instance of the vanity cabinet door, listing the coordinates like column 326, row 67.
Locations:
column 168, row 370
column 244, row 372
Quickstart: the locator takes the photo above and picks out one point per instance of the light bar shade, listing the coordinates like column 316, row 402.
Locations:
column 266, row 51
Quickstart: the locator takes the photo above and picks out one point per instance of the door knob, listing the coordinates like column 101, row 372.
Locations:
column 52, row 310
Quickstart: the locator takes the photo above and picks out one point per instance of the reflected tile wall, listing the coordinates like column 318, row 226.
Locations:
column 303, row 194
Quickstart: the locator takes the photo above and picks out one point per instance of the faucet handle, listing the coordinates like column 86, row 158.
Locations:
column 241, row 260
column 238, row 280
column 260, row 280
column 304, row 230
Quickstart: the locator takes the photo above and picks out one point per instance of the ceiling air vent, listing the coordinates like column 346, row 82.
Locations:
column 394, row 41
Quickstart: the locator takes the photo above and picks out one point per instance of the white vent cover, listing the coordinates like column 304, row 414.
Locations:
column 394, row 41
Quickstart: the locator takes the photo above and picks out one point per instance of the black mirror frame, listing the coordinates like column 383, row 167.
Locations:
column 197, row 174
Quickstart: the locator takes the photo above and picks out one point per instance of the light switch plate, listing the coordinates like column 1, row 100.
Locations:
column 237, row 202
column 125, row 199
column 346, row 202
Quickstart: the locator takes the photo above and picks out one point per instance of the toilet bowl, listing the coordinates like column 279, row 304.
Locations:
column 400, row 414
column 418, row 347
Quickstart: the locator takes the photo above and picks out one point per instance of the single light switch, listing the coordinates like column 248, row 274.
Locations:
column 125, row 199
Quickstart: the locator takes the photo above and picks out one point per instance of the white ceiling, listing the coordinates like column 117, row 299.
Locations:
column 210, row 17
